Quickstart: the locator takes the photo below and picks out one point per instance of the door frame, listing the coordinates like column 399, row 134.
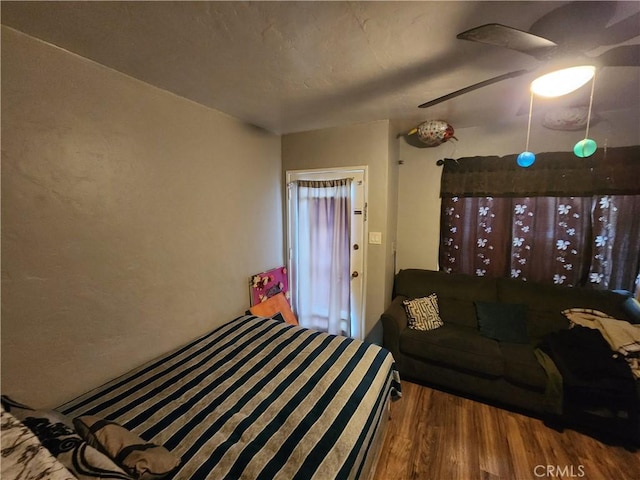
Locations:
column 359, row 328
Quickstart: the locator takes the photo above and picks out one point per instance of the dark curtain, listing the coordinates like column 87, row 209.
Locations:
column 475, row 236
column 567, row 221
column 575, row 241
column 613, row 171
column 550, row 239
column 615, row 261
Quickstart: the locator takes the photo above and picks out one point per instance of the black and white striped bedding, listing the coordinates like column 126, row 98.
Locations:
column 256, row 399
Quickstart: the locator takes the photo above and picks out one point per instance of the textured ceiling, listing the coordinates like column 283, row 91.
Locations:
column 293, row 66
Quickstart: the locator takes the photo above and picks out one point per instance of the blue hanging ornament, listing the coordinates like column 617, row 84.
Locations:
column 526, row 159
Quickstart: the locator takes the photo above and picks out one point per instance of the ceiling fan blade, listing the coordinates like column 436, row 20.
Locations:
column 473, row 87
column 621, row 31
column 623, row 56
column 509, row 37
column 575, row 26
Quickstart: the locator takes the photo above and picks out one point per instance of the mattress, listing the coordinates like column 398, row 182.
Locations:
column 257, row 398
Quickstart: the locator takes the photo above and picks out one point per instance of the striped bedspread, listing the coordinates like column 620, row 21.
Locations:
column 256, row 399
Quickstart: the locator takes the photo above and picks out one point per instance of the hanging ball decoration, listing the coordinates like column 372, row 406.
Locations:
column 526, row 159
column 434, row 132
column 585, row 148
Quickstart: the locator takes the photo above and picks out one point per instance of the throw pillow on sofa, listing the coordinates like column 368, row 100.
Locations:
column 423, row 313
column 504, row 322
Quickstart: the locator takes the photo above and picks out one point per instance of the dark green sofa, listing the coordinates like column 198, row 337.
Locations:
column 456, row 357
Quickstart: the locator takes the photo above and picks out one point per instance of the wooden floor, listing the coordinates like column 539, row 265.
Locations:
column 439, row 436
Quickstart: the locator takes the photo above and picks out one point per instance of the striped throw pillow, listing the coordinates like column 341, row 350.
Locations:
column 423, row 313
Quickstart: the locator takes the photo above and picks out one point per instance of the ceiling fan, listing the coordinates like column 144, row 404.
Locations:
column 559, row 37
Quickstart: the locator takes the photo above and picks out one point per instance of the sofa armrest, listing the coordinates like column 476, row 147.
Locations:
column 394, row 321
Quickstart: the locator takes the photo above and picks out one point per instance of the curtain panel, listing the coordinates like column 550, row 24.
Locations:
column 323, row 255
column 551, row 239
column 575, row 241
column 475, row 236
column 610, row 171
column 615, row 256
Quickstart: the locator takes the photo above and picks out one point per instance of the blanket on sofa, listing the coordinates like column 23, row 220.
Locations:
column 593, row 377
column 623, row 337
column 553, row 399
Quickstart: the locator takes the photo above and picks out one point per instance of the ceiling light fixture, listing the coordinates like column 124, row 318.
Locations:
column 561, row 82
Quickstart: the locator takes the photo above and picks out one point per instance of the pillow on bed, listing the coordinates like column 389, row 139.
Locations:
column 23, row 456
column 423, row 313
column 56, row 434
column 276, row 304
column 146, row 461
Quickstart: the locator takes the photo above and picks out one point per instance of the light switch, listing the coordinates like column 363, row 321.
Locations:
column 375, row 238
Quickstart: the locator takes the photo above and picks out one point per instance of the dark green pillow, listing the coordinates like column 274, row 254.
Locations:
column 504, row 322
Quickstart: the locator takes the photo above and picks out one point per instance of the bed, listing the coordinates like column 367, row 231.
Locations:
column 258, row 398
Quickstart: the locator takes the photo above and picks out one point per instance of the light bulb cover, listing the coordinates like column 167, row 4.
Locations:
column 585, row 148
column 561, row 82
column 526, row 159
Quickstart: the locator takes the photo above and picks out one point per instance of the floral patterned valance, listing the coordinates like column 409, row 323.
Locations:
column 609, row 171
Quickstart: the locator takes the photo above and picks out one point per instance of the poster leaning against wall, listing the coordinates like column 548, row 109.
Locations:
column 267, row 284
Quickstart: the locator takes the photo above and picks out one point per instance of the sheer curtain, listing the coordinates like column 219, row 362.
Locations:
column 323, row 255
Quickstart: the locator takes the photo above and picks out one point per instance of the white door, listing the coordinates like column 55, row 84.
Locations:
column 358, row 215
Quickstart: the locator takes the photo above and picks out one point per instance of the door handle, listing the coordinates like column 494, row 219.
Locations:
column 354, row 274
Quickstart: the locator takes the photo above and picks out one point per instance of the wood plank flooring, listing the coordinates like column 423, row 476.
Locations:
column 434, row 435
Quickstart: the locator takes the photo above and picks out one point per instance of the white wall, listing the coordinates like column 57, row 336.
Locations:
column 361, row 144
column 419, row 178
column 131, row 220
column 393, row 172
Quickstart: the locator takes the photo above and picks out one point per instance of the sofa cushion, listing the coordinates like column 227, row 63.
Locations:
column 455, row 346
column 521, row 366
column 422, row 313
column 541, row 323
column 456, row 292
column 555, row 298
column 504, row 322
column 458, row 311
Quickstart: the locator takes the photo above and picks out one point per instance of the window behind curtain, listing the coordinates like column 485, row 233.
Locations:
column 567, row 222
column 323, row 278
